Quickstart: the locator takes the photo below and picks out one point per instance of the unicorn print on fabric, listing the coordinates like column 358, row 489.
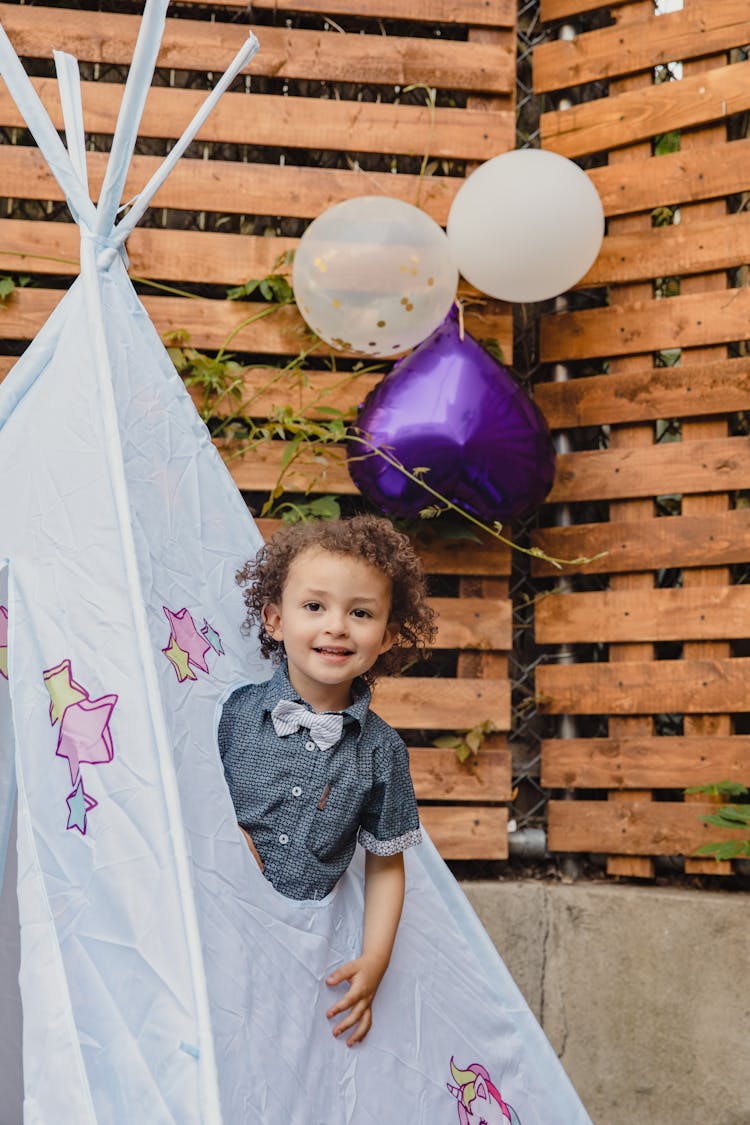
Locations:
column 479, row 1101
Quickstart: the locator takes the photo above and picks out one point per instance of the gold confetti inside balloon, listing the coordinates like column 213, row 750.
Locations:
column 374, row 275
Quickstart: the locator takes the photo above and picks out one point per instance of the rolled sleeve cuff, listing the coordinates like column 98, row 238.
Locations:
column 389, row 847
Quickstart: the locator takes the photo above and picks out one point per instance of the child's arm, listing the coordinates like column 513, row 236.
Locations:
column 384, row 899
column 252, row 847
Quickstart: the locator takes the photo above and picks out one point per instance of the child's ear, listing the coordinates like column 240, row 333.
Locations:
column 390, row 636
column 272, row 621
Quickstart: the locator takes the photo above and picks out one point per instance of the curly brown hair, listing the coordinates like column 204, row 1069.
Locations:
column 369, row 538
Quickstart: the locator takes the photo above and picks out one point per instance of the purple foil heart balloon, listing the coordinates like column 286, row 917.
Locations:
column 451, row 408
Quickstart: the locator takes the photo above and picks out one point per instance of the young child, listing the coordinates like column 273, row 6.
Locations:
column 310, row 768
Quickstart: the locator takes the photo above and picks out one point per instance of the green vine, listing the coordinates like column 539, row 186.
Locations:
column 731, row 816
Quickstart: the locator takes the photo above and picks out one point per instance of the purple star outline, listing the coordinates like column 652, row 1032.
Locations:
column 79, row 806
column 85, row 735
column 3, row 632
column 182, row 628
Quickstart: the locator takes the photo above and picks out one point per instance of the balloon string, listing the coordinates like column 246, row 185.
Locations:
column 460, row 308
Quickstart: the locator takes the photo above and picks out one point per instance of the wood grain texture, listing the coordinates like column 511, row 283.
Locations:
column 637, row 763
column 211, row 323
column 607, row 616
column 646, row 326
column 467, row 833
column 612, row 122
column 489, row 13
column 675, row 177
column 423, row 703
column 674, row 542
column 631, row 828
column 439, row 776
column 290, row 122
column 232, row 187
column 711, row 465
column 109, row 37
column 712, row 387
column 644, row 687
column 615, row 51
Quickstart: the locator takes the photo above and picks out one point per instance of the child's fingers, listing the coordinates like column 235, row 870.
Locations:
column 363, row 1027
column 345, row 972
column 354, row 1016
column 341, row 1005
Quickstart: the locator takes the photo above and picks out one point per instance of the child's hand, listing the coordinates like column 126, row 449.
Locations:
column 364, row 976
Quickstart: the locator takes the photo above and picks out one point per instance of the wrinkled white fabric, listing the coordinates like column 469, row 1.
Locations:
column 163, row 979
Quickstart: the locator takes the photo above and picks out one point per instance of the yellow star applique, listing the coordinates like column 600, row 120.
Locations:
column 4, row 661
column 62, row 690
column 179, row 659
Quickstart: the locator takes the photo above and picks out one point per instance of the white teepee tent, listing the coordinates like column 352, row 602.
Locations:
column 162, row 978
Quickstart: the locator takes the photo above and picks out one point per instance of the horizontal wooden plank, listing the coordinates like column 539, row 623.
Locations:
column 211, row 323
column 631, row 827
column 561, row 9
column 467, row 833
column 436, row 703
column 716, row 465
column 260, row 392
column 689, row 614
column 644, row 545
column 483, row 13
column 443, row 556
column 693, row 321
column 622, row 49
column 291, row 122
column 475, row 623
column 644, row 763
column 233, row 187
column 439, row 776
column 109, row 38
column 710, row 172
column 169, row 255
column 702, row 687
column 671, row 251
column 644, row 395
column 622, row 119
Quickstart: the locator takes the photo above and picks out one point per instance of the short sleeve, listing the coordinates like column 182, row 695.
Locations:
column 390, row 818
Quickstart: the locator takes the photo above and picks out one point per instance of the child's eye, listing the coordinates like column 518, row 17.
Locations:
column 361, row 613
column 312, row 606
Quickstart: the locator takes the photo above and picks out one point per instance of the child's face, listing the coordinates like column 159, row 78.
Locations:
column 334, row 622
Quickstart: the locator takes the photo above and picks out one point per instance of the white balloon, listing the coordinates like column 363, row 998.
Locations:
column 525, row 226
column 374, row 275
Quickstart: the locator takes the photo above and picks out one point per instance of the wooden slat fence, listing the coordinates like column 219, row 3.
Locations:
column 322, row 116
column 662, row 619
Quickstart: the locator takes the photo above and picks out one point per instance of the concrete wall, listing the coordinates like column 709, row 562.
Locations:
column 644, row 992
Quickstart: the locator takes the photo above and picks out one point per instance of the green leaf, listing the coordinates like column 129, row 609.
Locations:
column 447, row 741
column 7, row 285
column 720, row 789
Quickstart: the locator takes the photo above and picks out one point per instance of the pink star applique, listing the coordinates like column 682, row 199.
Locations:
column 188, row 638
column 84, row 733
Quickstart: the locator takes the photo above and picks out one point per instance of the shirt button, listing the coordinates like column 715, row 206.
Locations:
column 309, row 746
column 283, row 838
column 297, row 791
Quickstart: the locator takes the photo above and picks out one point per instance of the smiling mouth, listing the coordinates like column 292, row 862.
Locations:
column 328, row 651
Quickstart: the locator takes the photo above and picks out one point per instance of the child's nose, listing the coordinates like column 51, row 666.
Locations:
column 337, row 624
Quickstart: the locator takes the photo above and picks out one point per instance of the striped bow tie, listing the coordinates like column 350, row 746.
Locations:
column 325, row 727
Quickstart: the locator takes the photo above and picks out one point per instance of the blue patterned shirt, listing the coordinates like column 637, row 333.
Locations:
column 304, row 807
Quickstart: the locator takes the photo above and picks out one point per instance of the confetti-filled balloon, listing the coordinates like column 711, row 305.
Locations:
column 526, row 225
column 374, row 275
column 449, row 408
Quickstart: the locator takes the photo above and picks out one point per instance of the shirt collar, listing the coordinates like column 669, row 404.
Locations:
column 279, row 687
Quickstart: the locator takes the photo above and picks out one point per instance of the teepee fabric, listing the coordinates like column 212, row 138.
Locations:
column 162, row 978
